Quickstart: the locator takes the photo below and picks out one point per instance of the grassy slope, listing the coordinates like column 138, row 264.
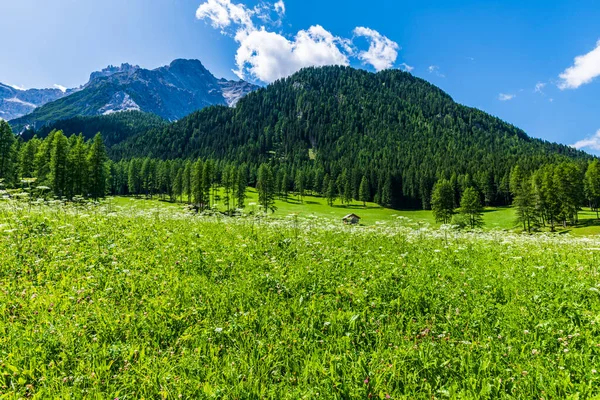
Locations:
column 493, row 217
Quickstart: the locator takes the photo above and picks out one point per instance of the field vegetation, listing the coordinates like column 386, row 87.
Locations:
column 133, row 299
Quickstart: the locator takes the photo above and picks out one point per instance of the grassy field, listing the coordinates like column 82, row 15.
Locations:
column 494, row 217
column 128, row 301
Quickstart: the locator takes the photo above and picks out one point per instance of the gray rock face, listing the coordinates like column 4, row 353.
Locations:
column 171, row 92
column 15, row 103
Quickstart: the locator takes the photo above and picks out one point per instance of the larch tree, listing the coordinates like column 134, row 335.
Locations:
column 471, row 208
column 592, row 185
column 7, row 153
column 265, row 186
column 442, row 201
column 364, row 191
column 97, row 168
column 59, row 164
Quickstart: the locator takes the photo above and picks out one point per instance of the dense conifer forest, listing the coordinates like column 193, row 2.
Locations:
column 337, row 132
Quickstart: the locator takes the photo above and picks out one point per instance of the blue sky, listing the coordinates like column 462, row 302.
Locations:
column 486, row 54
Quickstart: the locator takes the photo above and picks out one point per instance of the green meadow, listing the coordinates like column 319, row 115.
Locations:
column 502, row 218
column 139, row 299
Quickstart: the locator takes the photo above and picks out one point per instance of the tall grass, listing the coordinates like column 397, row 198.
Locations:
column 102, row 302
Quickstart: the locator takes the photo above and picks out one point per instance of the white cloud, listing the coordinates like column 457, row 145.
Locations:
column 434, row 69
column 407, row 67
column 539, row 87
column 279, row 7
column 60, row 87
column 506, row 97
column 223, row 13
column 592, row 142
column 267, row 56
column 584, row 70
column 382, row 51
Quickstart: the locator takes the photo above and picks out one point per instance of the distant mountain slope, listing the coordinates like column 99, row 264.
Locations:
column 170, row 92
column 115, row 127
column 15, row 103
column 339, row 118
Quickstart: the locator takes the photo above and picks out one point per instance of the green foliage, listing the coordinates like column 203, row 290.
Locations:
column 96, row 161
column 8, row 155
column 113, row 302
column 266, row 188
column 115, row 127
column 364, row 191
column 471, row 208
column 401, row 132
column 442, row 201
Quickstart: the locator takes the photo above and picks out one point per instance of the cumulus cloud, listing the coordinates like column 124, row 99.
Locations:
column 592, row 142
column 266, row 55
column 506, row 96
column 269, row 56
column 223, row 13
column 60, row 87
column 382, row 52
column 585, row 68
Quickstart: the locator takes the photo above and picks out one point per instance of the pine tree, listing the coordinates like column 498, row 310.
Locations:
column 265, row 187
column 524, row 200
column 241, row 184
column 134, row 177
column 442, row 201
column 27, row 158
column 178, row 184
column 364, row 191
column 98, row 174
column 187, row 185
column 197, row 179
column 78, row 168
column 471, row 208
column 299, row 184
column 7, row 153
column 59, row 164
column 331, row 192
column 592, row 186
column 386, row 192
column 284, row 186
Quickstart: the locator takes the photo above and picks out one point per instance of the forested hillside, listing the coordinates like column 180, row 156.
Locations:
column 114, row 127
column 335, row 131
column 389, row 126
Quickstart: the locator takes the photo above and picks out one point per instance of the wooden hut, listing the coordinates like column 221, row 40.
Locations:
column 351, row 219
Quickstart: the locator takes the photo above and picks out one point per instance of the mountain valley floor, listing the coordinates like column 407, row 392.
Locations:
column 122, row 301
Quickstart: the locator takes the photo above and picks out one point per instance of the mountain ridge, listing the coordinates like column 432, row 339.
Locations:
column 170, row 92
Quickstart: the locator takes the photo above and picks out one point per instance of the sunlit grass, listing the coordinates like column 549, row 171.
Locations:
column 118, row 301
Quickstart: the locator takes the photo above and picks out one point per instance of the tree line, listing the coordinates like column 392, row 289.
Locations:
column 548, row 196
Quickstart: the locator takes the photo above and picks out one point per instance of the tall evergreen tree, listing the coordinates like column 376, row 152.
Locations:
column 592, row 185
column 96, row 162
column 7, row 153
column 266, row 188
column 364, row 192
column 59, row 164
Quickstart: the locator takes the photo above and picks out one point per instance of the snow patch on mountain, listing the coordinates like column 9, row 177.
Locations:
column 25, row 103
column 119, row 102
column 234, row 91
